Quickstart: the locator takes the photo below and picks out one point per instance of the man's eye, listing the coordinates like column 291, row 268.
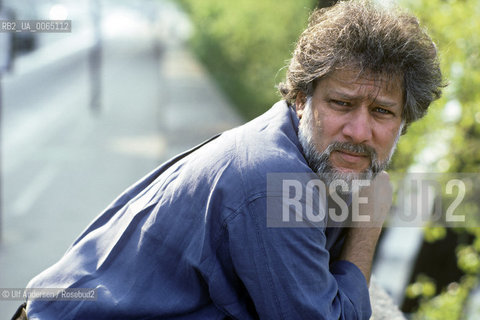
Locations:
column 383, row 111
column 341, row 103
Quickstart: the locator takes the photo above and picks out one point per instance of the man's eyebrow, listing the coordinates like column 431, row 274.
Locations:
column 379, row 100
column 388, row 104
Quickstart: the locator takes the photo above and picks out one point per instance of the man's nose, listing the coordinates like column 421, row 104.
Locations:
column 358, row 127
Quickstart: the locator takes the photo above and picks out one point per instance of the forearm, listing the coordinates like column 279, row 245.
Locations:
column 361, row 241
column 359, row 248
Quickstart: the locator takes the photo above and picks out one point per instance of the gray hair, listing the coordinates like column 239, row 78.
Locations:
column 364, row 36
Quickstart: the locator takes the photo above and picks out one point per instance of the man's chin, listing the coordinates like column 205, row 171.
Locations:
column 338, row 163
column 343, row 178
column 352, row 172
column 347, row 171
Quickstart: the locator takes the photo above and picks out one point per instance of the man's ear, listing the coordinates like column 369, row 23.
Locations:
column 300, row 104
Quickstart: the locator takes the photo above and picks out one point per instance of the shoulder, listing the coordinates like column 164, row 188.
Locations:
column 238, row 162
column 268, row 144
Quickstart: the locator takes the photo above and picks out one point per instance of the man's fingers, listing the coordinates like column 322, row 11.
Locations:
column 377, row 198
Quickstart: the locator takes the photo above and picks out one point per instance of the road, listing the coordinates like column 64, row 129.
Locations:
column 63, row 164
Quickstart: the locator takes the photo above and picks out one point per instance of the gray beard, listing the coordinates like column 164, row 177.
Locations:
column 320, row 163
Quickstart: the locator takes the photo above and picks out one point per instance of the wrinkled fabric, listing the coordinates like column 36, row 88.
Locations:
column 190, row 241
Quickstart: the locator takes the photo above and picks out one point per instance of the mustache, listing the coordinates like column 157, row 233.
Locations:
column 352, row 148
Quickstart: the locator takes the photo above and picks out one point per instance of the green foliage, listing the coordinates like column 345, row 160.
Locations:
column 433, row 233
column 422, row 287
column 468, row 259
column 454, row 26
column 245, row 44
column 448, row 304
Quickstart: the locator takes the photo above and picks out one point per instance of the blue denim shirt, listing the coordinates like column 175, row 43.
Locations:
column 191, row 241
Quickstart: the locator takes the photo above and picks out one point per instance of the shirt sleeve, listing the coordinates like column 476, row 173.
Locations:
column 288, row 273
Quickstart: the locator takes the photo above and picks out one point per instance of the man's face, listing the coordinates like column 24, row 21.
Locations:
column 351, row 124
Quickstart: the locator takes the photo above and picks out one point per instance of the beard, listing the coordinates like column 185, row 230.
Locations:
column 320, row 162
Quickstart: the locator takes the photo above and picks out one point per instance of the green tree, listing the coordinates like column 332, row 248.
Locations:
column 455, row 121
column 245, row 44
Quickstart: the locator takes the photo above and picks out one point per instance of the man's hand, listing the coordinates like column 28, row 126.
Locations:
column 362, row 238
column 378, row 198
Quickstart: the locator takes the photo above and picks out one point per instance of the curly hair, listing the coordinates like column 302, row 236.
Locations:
column 364, row 36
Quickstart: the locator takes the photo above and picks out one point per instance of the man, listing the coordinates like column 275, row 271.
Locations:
column 196, row 238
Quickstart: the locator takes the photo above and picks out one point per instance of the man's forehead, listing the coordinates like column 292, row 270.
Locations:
column 354, row 79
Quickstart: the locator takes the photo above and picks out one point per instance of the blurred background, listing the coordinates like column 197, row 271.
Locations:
column 85, row 114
